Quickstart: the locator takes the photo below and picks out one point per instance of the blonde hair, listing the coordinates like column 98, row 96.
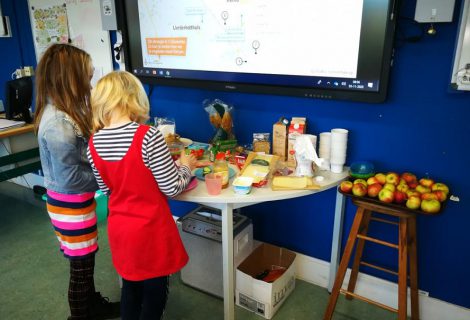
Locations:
column 121, row 93
column 63, row 77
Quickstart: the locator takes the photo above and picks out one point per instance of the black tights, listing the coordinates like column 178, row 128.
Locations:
column 144, row 300
column 81, row 286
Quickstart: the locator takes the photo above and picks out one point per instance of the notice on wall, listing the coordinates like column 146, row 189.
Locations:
column 75, row 21
column 50, row 25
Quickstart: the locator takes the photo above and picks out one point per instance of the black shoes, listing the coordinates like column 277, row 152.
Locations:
column 101, row 308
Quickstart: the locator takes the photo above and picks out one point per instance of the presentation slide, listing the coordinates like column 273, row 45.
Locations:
column 263, row 36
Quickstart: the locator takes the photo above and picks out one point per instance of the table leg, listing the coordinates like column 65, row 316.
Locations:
column 227, row 261
column 336, row 241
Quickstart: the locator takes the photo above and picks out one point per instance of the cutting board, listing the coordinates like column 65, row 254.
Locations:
column 310, row 186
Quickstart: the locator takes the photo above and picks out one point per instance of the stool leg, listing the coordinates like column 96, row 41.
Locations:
column 358, row 255
column 413, row 269
column 402, row 267
column 343, row 266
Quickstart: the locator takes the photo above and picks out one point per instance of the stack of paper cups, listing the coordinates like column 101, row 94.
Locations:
column 339, row 143
column 324, row 149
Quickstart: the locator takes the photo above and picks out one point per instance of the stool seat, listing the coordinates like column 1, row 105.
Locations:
column 407, row 255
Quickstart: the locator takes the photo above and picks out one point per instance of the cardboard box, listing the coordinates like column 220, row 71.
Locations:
column 297, row 127
column 259, row 296
column 280, row 139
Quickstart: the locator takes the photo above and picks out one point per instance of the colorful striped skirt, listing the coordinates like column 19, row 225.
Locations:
column 74, row 219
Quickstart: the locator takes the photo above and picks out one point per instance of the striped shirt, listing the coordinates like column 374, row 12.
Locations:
column 112, row 145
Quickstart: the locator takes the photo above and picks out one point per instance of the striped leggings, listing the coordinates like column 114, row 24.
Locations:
column 81, row 286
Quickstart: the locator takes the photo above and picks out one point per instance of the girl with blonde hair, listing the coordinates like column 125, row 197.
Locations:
column 133, row 165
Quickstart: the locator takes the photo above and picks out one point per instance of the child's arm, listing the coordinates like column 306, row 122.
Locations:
column 170, row 179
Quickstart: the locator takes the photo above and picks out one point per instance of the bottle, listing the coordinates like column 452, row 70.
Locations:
column 221, row 167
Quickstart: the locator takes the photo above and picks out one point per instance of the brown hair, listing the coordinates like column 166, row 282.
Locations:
column 118, row 93
column 63, row 79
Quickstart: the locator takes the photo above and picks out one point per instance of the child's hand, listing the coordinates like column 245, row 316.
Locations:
column 188, row 160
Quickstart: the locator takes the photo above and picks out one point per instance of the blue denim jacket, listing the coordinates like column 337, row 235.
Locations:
column 63, row 150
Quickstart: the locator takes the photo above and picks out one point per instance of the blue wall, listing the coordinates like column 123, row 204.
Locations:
column 422, row 128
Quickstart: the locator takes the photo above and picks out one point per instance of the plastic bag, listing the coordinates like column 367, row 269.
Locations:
column 220, row 116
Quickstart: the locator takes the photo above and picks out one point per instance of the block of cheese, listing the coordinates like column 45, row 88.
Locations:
column 290, row 182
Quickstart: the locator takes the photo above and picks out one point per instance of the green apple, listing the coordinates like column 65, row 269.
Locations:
column 430, row 206
column 440, row 186
column 359, row 190
column 362, row 181
column 403, row 187
column 423, row 189
column 393, row 178
column 413, row 202
column 386, row 195
column 390, row 186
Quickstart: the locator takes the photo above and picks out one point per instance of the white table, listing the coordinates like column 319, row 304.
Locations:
column 227, row 201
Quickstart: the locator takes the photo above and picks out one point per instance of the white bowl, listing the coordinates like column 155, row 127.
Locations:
column 242, row 185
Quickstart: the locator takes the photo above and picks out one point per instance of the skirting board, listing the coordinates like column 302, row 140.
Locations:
column 316, row 271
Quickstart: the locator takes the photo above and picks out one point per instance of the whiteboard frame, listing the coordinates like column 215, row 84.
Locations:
column 462, row 51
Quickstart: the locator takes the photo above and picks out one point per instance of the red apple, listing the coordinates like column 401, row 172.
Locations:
column 400, row 197
column 346, row 186
column 359, row 190
column 361, row 181
column 392, row 177
column 441, row 195
column 380, row 177
column 386, row 195
column 409, row 177
column 372, row 180
column 428, row 196
column 390, row 186
column 413, row 184
column 427, row 182
column 423, row 189
column 440, row 186
column 413, row 202
column 374, row 189
column 430, row 206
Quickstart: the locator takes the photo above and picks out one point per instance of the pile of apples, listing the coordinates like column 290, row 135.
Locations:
column 405, row 189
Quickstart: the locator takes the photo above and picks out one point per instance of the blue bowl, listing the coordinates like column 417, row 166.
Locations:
column 361, row 170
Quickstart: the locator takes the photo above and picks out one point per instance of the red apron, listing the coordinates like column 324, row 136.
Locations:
column 143, row 236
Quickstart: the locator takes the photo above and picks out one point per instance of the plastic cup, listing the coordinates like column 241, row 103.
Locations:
column 336, row 168
column 213, row 183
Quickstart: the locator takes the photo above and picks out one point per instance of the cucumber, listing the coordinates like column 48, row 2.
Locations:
column 260, row 162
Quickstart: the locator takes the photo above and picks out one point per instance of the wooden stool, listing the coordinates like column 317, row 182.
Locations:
column 406, row 249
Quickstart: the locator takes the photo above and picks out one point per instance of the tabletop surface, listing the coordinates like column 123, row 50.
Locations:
column 16, row 131
column 200, row 195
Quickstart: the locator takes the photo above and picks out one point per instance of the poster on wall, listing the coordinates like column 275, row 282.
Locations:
column 50, row 25
column 75, row 21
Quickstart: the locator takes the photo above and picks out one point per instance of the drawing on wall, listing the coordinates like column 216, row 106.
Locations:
column 50, row 25
column 83, row 28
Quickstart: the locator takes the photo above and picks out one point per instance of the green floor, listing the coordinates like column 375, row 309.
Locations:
column 34, row 275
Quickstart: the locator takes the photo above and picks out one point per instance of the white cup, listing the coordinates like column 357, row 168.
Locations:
column 336, row 168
